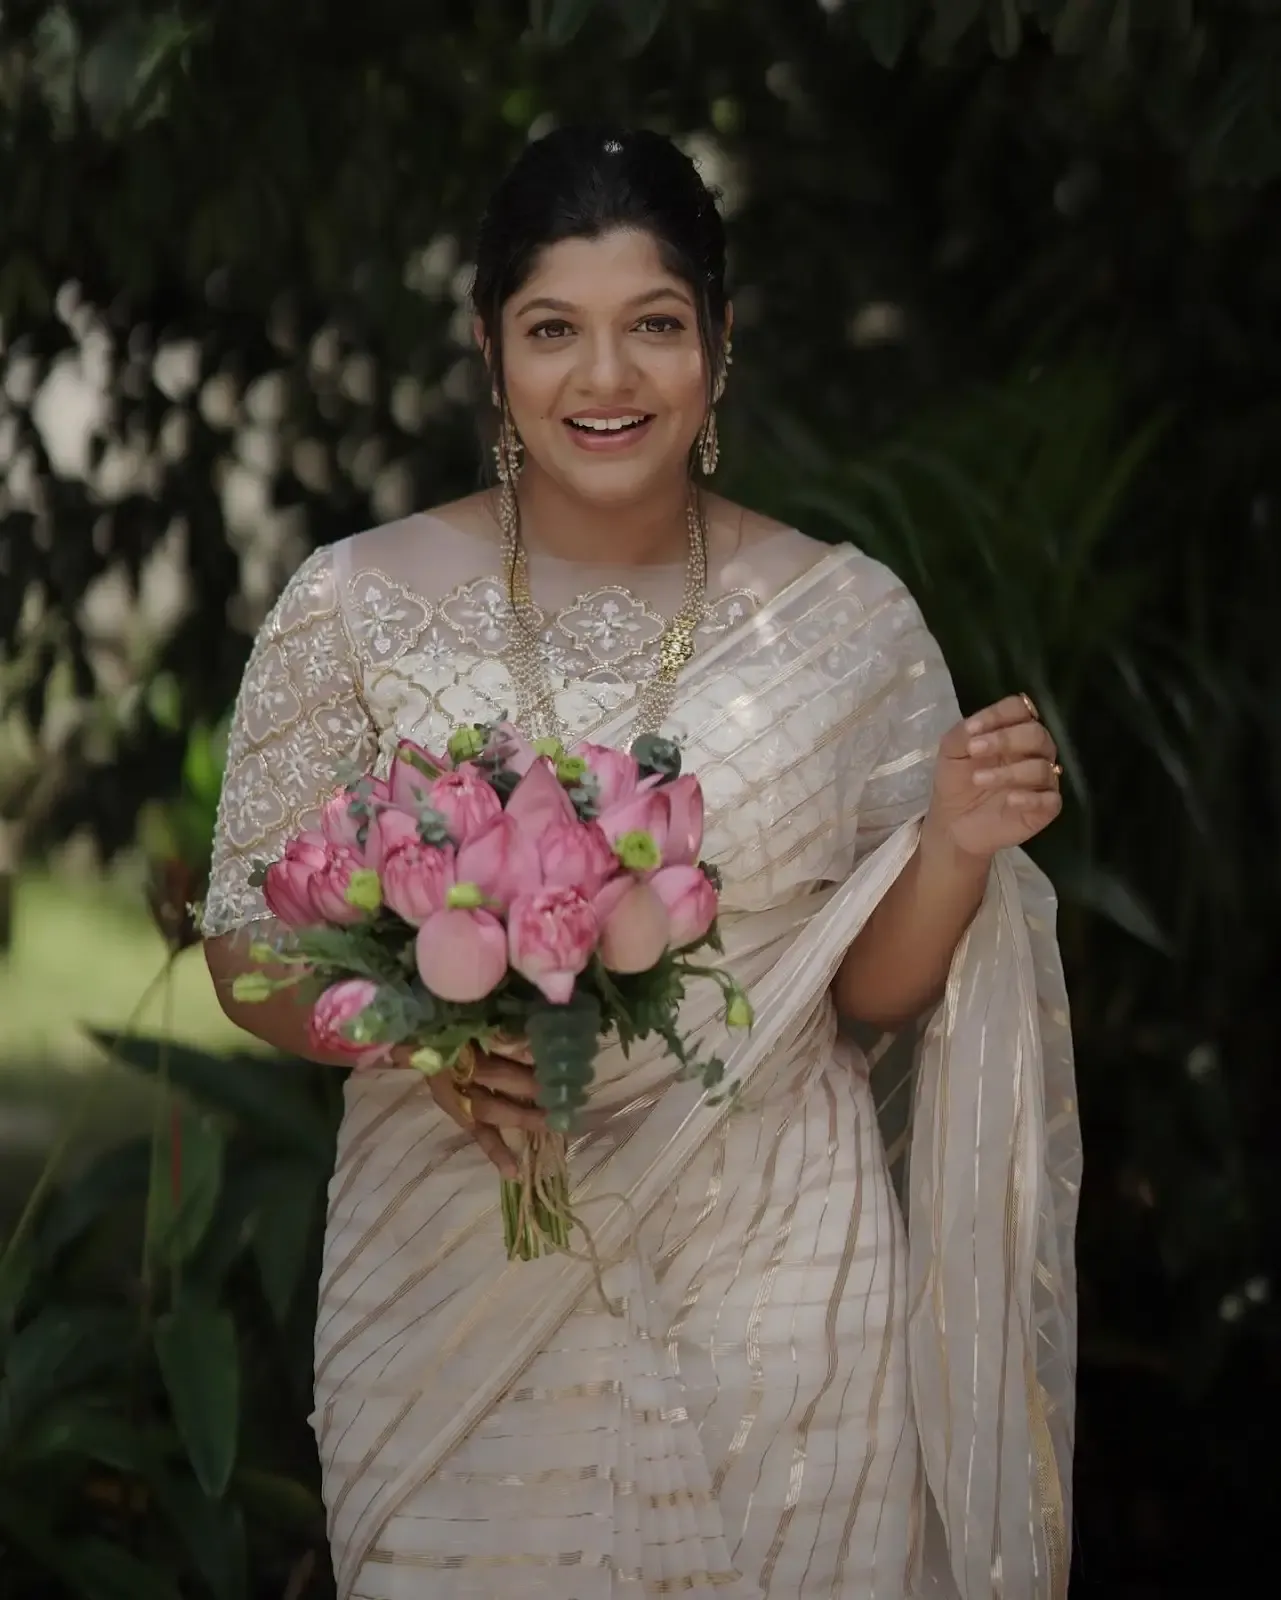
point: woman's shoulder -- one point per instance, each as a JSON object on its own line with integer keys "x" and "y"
{"x": 766, "y": 554}
{"x": 469, "y": 518}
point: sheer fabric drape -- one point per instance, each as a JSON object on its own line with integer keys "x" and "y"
{"x": 795, "y": 1395}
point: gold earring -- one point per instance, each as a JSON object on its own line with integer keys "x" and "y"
{"x": 509, "y": 452}
{"x": 709, "y": 446}
{"x": 727, "y": 361}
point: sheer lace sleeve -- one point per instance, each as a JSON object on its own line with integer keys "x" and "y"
{"x": 299, "y": 720}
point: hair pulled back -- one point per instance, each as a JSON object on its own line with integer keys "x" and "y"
{"x": 583, "y": 182}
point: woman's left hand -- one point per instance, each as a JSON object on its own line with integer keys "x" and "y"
{"x": 996, "y": 784}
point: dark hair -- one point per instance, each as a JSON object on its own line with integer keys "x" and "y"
{"x": 582, "y": 182}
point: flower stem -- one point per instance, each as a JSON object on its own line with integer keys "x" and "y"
{"x": 536, "y": 1212}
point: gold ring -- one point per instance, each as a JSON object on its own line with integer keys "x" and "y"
{"x": 1031, "y": 706}
{"x": 464, "y": 1105}
{"x": 1057, "y": 770}
{"x": 464, "y": 1066}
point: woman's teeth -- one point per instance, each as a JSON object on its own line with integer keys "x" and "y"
{"x": 605, "y": 424}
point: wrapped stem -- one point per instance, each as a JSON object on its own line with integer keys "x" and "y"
{"x": 537, "y": 1218}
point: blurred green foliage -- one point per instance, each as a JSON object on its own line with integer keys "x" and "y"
{"x": 1007, "y": 278}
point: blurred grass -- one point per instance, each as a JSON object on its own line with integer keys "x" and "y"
{"x": 85, "y": 952}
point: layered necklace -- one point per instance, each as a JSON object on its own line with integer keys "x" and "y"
{"x": 535, "y": 692}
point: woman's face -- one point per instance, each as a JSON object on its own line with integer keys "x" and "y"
{"x": 603, "y": 367}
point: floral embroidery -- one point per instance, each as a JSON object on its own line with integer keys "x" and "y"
{"x": 334, "y": 680}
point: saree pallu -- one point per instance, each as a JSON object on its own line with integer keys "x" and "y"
{"x": 775, "y": 1389}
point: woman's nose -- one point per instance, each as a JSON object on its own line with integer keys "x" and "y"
{"x": 606, "y": 368}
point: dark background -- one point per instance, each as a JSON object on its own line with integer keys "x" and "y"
{"x": 1008, "y": 290}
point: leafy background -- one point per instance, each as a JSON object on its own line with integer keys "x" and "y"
{"x": 1008, "y": 289}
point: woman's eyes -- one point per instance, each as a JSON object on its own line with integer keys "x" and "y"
{"x": 655, "y": 324}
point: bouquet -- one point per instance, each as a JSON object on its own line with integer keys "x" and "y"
{"x": 505, "y": 890}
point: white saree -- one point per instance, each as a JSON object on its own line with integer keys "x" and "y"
{"x": 790, "y": 1394}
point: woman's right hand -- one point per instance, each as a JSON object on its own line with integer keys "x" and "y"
{"x": 501, "y": 1094}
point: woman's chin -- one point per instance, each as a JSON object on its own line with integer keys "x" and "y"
{"x": 622, "y": 482}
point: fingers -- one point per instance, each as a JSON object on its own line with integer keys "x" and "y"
{"x": 1007, "y": 713}
{"x": 1043, "y": 805}
{"x": 1018, "y": 742}
{"x": 491, "y": 1142}
{"x": 511, "y": 1050}
{"x": 1029, "y": 777}
{"x": 504, "y": 1077}
{"x": 483, "y": 1114}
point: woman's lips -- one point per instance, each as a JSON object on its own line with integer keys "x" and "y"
{"x": 608, "y": 440}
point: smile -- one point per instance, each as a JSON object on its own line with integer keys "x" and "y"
{"x": 619, "y": 432}
{"x": 609, "y": 424}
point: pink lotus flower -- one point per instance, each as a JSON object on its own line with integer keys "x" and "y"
{"x": 576, "y": 855}
{"x": 646, "y": 812}
{"x": 340, "y": 1006}
{"x": 328, "y": 889}
{"x": 417, "y": 878}
{"x": 539, "y": 800}
{"x": 408, "y": 783}
{"x": 390, "y": 829}
{"x": 287, "y": 886}
{"x": 690, "y": 902}
{"x": 515, "y": 749}
{"x": 502, "y": 861}
{"x": 685, "y": 826}
{"x": 551, "y": 936}
{"x": 466, "y": 802}
{"x": 616, "y": 773}
{"x": 338, "y": 825}
{"x": 462, "y": 954}
{"x": 634, "y": 928}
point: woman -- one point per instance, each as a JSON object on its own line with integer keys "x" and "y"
{"x": 785, "y": 1395}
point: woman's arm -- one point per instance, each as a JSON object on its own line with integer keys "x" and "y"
{"x": 898, "y": 965}
{"x": 500, "y": 1094}
{"x": 995, "y": 785}
{"x": 280, "y": 1021}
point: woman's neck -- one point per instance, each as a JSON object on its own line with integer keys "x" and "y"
{"x": 644, "y": 533}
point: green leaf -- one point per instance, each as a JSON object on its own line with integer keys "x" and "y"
{"x": 17, "y": 1265}
{"x": 641, "y": 20}
{"x": 106, "y": 1187}
{"x": 283, "y": 1219}
{"x": 1103, "y": 892}
{"x": 1005, "y": 28}
{"x": 214, "y": 1533}
{"x": 560, "y": 21}
{"x": 106, "y": 1571}
{"x": 186, "y": 1180}
{"x": 88, "y": 1430}
{"x": 203, "y": 765}
{"x": 884, "y": 25}
{"x": 200, "y": 1364}
{"x": 278, "y": 1499}
{"x": 256, "y": 1090}
{"x": 1075, "y": 25}
{"x": 58, "y": 1350}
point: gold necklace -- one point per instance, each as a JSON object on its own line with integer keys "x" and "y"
{"x": 535, "y": 694}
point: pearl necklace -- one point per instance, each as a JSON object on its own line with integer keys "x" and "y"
{"x": 535, "y": 694}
